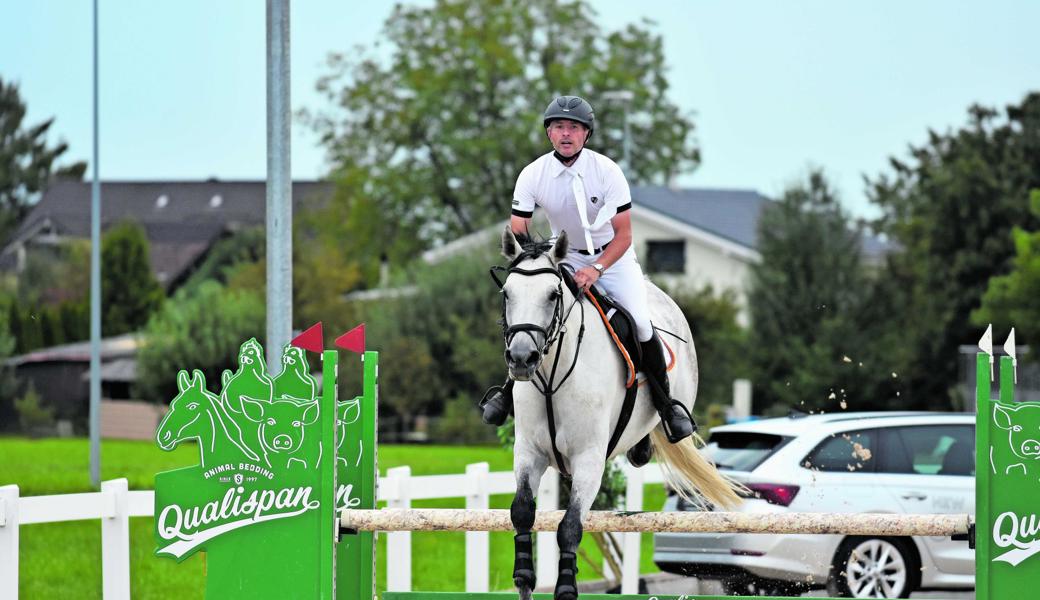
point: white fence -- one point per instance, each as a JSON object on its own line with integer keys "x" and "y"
{"x": 114, "y": 505}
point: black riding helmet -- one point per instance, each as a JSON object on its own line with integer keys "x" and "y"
{"x": 573, "y": 108}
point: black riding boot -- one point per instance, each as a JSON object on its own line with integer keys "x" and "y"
{"x": 676, "y": 419}
{"x": 497, "y": 403}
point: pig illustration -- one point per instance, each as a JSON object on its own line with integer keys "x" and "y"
{"x": 1022, "y": 422}
{"x": 284, "y": 430}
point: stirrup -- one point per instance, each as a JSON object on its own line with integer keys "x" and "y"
{"x": 495, "y": 419}
{"x": 676, "y": 437}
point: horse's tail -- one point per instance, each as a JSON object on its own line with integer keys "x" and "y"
{"x": 692, "y": 475}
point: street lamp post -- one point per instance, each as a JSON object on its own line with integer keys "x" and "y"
{"x": 624, "y": 97}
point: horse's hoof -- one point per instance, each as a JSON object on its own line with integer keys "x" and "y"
{"x": 565, "y": 592}
{"x": 522, "y": 578}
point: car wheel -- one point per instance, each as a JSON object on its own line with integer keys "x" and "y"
{"x": 872, "y": 567}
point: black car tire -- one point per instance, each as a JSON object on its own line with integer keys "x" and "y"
{"x": 863, "y": 562}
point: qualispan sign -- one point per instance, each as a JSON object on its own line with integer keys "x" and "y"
{"x": 263, "y": 489}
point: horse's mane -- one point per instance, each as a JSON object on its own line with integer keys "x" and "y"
{"x": 531, "y": 247}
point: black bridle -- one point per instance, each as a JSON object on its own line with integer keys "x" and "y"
{"x": 555, "y": 332}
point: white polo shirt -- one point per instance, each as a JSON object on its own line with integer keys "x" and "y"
{"x": 580, "y": 199}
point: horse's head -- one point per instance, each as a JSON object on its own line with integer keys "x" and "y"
{"x": 532, "y": 302}
{"x": 185, "y": 419}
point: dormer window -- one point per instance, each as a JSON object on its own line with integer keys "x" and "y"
{"x": 162, "y": 201}
{"x": 216, "y": 201}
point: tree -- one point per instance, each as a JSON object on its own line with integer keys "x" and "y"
{"x": 449, "y": 327}
{"x": 951, "y": 208}
{"x": 807, "y": 300}
{"x": 26, "y": 160}
{"x": 129, "y": 291}
{"x": 201, "y": 330}
{"x": 720, "y": 342}
{"x": 427, "y": 143}
{"x": 1013, "y": 300}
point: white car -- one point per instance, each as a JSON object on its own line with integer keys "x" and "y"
{"x": 869, "y": 462}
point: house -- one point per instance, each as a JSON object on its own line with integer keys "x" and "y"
{"x": 685, "y": 238}
{"x": 182, "y": 219}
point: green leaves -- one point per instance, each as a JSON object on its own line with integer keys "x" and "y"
{"x": 26, "y": 160}
{"x": 951, "y": 207}
{"x": 428, "y": 139}
{"x": 129, "y": 291}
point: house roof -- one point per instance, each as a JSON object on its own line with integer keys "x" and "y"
{"x": 730, "y": 214}
{"x": 113, "y": 348}
{"x": 182, "y": 219}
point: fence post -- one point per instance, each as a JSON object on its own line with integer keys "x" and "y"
{"x": 630, "y": 541}
{"x": 115, "y": 541}
{"x": 399, "y": 543}
{"x": 477, "y": 550}
{"x": 9, "y": 541}
{"x": 548, "y": 551}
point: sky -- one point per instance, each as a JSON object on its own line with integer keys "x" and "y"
{"x": 774, "y": 88}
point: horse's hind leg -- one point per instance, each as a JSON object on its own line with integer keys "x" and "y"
{"x": 529, "y": 470}
{"x": 588, "y": 473}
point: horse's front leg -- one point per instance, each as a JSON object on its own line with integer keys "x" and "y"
{"x": 588, "y": 473}
{"x": 528, "y": 466}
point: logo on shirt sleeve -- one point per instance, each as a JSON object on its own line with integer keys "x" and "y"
{"x": 595, "y": 199}
{"x": 516, "y": 202}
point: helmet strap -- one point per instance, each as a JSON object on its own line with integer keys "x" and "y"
{"x": 567, "y": 161}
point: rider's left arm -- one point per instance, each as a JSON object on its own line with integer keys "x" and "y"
{"x": 622, "y": 223}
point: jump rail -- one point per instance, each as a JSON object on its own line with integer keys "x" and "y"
{"x": 444, "y": 519}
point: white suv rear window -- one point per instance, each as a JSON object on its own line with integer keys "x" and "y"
{"x": 742, "y": 450}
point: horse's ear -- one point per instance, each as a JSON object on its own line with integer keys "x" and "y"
{"x": 510, "y": 247}
{"x": 198, "y": 379}
{"x": 559, "y": 251}
{"x": 182, "y": 381}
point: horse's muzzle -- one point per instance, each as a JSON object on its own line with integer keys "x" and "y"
{"x": 523, "y": 360}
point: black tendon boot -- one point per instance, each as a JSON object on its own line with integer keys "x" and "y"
{"x": 497, "y": 403}
{"x": 674, "y": 416}
{"x": 567, "y": 579}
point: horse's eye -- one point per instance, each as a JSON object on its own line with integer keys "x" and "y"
{"x": 193, "y": 406}
{"x": 554, "y": 295}
{"x": 270, "y": 421}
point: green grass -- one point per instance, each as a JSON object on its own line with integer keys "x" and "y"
{"x": 64, "y": 559}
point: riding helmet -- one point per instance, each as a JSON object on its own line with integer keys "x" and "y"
{"x": 573, "y": 108}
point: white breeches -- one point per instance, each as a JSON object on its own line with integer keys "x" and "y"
{"x": 624, "y": 282}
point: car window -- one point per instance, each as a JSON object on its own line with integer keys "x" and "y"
{"x": 929, "y": 450}
{"x": 852, "y": 451}
{"x": 741, "y": 450}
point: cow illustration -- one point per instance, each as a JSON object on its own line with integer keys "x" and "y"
{"x": 283, "y": 430}
{"x": 1022, "y": 422}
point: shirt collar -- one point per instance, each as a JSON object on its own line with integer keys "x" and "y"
{"x": 578, "y": 167}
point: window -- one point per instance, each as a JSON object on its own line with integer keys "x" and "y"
{"x": 929, "y": 450}
{"x": 850, "y": 452}
{"x": 666, "y": 256}
{"x": 742, "y": 451}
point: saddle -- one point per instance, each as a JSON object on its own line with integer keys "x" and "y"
{"x": 621, "y": 326}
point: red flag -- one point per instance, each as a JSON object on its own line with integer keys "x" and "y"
{"x": 311, "y": 339}
{"x": 353, "y": 340}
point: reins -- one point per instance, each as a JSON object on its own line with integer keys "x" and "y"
{"x": 555, "y": 333}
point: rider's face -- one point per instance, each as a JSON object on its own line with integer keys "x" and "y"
{"x": 567, "y": 137}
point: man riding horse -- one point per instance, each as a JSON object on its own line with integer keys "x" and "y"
{"x": 586, "y": 195}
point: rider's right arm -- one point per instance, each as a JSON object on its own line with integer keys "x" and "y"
{"x": 524, "y": 198}
{"x": 520, "y": 225}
